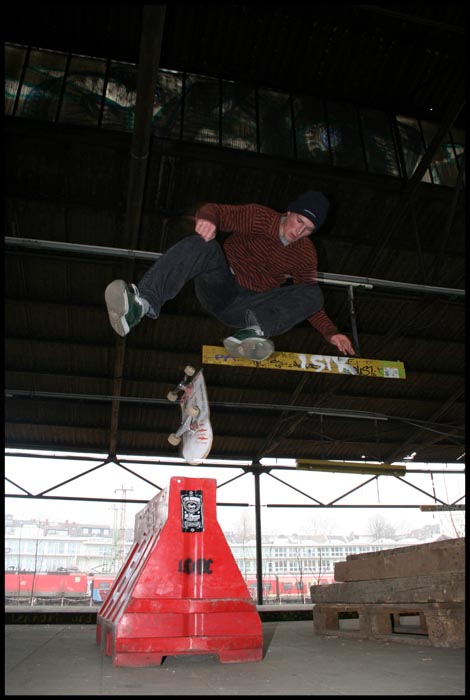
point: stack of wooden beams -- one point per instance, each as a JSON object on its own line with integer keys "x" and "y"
{"x": 409, "y": 594}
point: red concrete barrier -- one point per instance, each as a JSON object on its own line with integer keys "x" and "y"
{"x": 180, "y": 590}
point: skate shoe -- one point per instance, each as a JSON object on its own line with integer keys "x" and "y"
{"x": 125, "y": 307}
{"x": 249, "y": 343}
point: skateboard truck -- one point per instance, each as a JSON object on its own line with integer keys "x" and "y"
{"x": 193, "y": 411}
{"x": 188, "y": 373}
{"x": 175, "y": 438}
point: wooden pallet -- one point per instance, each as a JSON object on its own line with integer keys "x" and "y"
{"x": 303, "y": 362}
{"x": 440, "y": 624}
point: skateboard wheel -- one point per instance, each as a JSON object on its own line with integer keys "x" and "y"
{"x": 173, "y": 439}
{"x": 189, "y": 371}
{"x": 172, "y": 396}
{"x": 193, "y": 411}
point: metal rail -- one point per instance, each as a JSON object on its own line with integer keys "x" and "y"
{"x": 311, "y": 410}
{"x": 323, "y": 277}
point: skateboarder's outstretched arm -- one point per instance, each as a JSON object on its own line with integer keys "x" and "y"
{"x": 343, "y": 344}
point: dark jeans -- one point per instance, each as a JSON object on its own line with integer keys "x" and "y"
{"x": 275, "y": 311}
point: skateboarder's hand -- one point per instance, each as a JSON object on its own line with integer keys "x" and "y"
{"x": 343, "y": 344}
{"x": 206, "y": 229}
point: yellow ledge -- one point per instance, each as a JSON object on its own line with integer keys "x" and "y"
{"x": 303, "y": 362}
{"x": 323, "y": 465}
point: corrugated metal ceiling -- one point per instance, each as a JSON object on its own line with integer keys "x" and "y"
{"x": 70, "y": 185}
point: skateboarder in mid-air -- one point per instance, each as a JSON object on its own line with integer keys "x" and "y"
{"x": 243, "y": 283}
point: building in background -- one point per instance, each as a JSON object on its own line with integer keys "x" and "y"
{"x": 71, "y": 562}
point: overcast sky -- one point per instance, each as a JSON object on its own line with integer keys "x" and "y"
{"x": 37, "y": 475}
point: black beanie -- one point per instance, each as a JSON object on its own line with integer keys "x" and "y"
{"x": 313, "y": 205}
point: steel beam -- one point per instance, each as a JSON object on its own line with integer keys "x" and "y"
{"x": 327, "y": 278}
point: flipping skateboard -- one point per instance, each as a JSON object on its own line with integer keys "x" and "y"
{"x": 194, "y": 436}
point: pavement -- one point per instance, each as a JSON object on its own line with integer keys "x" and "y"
{"x": 64, "y": 659}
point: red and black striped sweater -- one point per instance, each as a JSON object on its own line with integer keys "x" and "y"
{"x": 257, "y": 256}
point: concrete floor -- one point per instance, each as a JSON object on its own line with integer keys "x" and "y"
{"x": 60, "y": 659}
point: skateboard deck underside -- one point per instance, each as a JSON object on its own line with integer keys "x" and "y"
{"x": 197, "y": 440}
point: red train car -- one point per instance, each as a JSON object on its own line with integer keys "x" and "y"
{"x": 46, "y": 585}
{"x": 100, "y": 585}
{"x": 277, "y": 588}
{"x": 287, "y": 588}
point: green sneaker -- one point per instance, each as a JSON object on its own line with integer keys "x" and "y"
{"x": 249, "y": 343}
{"x": 125, "y": 307}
